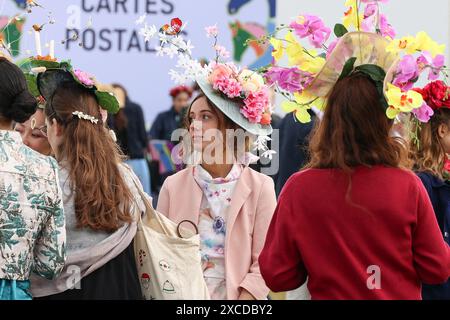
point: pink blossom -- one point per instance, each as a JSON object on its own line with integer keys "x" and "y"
{"x": 219, "y": 70}
{"x": 374, "y": 1}
{"x": 424, "y": 113}
{"x": 254, "y": 105}
{"x": 222, "y": 51}
{"x": 407, "y": 73}
{"x": 289, "y": 79}
{"x": 386, "y": 28}
{"x": 228, "y": 86}
{"x": 313, "y": 28}
{"x": 84, "y": 78}
{"x": 435, "y": 65}
{"x": 212, "y": 31}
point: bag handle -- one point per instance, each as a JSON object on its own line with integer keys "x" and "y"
{"x": 149, "y": 210}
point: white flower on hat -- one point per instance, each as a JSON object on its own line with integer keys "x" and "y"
{"x": 250, "y": 80}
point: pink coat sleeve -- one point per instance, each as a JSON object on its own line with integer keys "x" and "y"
{"x": 253, "y": 282}
{"x": 280, "y": 261}
{"x": 164, "y": 199}
{"x": 431, "y": 252}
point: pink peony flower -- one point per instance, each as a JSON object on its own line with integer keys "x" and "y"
{"x": 84, "y": 78}
{"x": 255, "y": 105}
{"x": 313, "y": 28}
{"x": 407, "y": 73}
{"x": 229, "y": 86}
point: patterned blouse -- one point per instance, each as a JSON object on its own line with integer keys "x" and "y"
{"x": 32, "y": 225}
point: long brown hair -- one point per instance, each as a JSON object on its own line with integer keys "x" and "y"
{"x": 429, "y": 154}
{"x": 102, "y": 199}
{"x": 355, "y": 130}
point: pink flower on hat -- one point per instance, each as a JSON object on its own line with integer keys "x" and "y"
{"x": 84, "y": 78}
{"x": 313, "y": 28}
{"x": 255, "y": 105}
{"x": 407, "y": 73}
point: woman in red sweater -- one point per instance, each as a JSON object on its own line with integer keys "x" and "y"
{"x": 357, "y": 223}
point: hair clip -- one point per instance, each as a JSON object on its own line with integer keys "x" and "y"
{"x": 84, "y": 116}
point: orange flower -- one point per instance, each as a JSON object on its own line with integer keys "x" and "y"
{"x": 45, "y": 58}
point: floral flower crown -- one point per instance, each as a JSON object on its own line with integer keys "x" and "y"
{"x": 45, "y": 74}
{"x": 308, "y": 67}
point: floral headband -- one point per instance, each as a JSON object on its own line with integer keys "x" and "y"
{"x": 395, "y": 65}
{"x": 44, "y": 75}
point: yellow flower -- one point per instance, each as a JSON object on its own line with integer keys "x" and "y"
{"x": 312, "y": 63}
{"x": 301, "y": 112}
{"x": 351, "y": 15}
{"x": 301, "y": 104}
{"x": 401, "y": 101}
{"x": 423, "y": 42}
{"x": 278, "y": 49}
{"x": 407, "y": 44}
{"x": 294, "y": 50}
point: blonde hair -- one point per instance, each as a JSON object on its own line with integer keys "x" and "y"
{"x": 426, "y": 150}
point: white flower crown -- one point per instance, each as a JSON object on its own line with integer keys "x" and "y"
{"x": 84, "y": 116}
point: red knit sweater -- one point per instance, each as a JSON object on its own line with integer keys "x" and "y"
{"x": 337, "y": 237}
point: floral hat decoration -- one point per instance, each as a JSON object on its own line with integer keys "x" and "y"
{"x": 394, "y": 65}
{"x": 241, "y": 94}
{"x": 44, "y": 76}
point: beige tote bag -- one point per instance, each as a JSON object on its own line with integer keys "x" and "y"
{"x": 168, "y": 258}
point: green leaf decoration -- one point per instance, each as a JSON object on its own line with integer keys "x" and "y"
{"x": 323, "y": 55}
{"x": 107, "y": 101}
{"x": 375, "y": 72}
{"x": 348, "y": 68}
{"x": 340, "y": 30}
{"x": 32, "y": 84}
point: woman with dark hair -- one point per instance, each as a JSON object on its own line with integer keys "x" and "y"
{"x": 356, "y": 222}
{"x": 167, "y": 122}
{"x": 101, "y": 199}
{"x": 129, "y": 126}
{"x": 32, "y": 231}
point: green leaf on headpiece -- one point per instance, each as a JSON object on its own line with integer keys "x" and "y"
{"x": 375, "y": 72}
{"x": 348, "y": 68}
{"x": 107, "y": 101}
{"x": 323, "y": 55}
{"x": 340, "y": 30}
{"x": 32, "y": 84}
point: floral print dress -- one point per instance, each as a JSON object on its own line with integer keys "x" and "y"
{"x": 212, "y": 226}
{"x": 32, "y": 224}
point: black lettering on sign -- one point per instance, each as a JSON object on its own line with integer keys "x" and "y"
{"x": 150, "y": 3}
{"x": 70, "y": 37}
{"x": 136, "y": 6}
{"x": 89, "y": 45}
{"x": 85, "y": 8}
{"x": 170, "y": 7}
{"x": 120, "y": 33}
{"x": 148, "y": 48}
{"x": 103, "y": 4}
{"x": 121, "y": 3}
{"x": 134, "y": 42}
{"x": 105, "y": 40}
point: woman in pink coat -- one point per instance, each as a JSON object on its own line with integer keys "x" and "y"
{"x": 230, "y": 204}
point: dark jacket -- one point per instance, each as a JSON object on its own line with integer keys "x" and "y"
{"x": 439, "y": 192}
{"x": 165, "y": 123}
{"x": 132, "y": 139}
{"x": 293, "y": 144}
